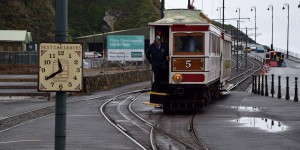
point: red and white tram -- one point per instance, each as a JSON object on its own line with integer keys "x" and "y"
{"x": 199, "y": 60}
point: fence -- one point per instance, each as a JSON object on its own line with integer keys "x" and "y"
{"x": 27, "y": 62}
{"x": 105, "y": 66}
{"x": 29, "y": 58}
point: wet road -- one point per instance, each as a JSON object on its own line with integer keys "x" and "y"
{"x": 86, "y": 127}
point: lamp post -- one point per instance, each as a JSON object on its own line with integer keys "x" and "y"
{"x": 288, "y": 26}
{"x": 254, "y": 8}
{"x": 299, "y": 5}
{"x": 237, "y": 50}
{"x": 271, "y": 6}
{"x": 238, "y": 30}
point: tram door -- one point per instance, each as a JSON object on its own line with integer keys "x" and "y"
{"x": 162, "y": 32}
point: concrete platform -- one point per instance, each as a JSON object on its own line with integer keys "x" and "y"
{"x": 244, "y": 121}
{"x": 248, "y": 121}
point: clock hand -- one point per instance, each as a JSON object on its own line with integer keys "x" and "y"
{"x": 59, "y": 65}
{"x": 57, "y": 72}
{"x": 53, "y": 74}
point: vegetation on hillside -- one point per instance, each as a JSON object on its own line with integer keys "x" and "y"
{"x": 231, "y": 30}
{"x": 85, "y": 16}
{"x": 36, "y": 16}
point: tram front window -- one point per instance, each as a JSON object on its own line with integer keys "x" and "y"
{"x": 189, "y": 43}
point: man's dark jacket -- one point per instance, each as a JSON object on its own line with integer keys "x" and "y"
{"x": 157, "y": 56}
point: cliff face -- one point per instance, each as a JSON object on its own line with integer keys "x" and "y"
{"x": 110, "y": 18}
{"x": 104, "y": 16}
{"x": 85, "y": 16}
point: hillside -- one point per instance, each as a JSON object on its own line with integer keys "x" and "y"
{"x": 36, "y": 16}
{"x": 85, "y": 16}
{"x": 230, "y": 28}
{"x": 103, "y": 15}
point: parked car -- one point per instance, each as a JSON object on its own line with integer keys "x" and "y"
{"x": 247, "y": 50}
{"x": 92, "y": 54}
{"x": 260, "y": 49}
{"x": 253, "y": 48}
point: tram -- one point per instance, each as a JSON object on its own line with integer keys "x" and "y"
{"x": 274, "y": 59}
{"x": 199, "y": 60}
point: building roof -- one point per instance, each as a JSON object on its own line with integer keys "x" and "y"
{"x": 15, "y": 35}
{"x": 182, "y": 16}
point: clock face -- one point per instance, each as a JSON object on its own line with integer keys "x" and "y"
{"x": 60, "y": 67}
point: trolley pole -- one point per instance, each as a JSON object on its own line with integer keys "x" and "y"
{"x": 162, "y": 7}
{"x": 61, "y": 21}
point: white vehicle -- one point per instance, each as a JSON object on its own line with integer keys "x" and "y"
{"x": 92, "y": 54}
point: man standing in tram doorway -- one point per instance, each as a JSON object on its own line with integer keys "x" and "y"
{"x": 157, "y": 55}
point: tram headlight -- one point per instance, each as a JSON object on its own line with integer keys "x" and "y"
{"x": 177, "y": 78}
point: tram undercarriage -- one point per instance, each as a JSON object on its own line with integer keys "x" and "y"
{"x": 185, "y": 97}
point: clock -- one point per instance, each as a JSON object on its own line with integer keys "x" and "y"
{"x": 60, "y": 67}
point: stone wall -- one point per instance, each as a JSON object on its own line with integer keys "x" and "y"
{"x": 111, "y": 80}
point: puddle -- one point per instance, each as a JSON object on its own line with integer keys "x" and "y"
{"x": 245, "y": 108}
{"x": 262, "y": 123}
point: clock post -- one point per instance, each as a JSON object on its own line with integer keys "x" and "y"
{"x": 60, "y": 71}
{"x": 61, "y": 25}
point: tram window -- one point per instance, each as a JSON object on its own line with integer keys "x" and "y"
{"x": 189, "y": 43}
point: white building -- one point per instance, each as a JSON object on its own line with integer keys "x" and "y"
{"x": 14, "y": 40}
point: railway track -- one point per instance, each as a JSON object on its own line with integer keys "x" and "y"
{"x": 10, "y": 122}
{"x": 239, "y": 78}
{"x": 160, "y": 133}
{"x": 153, "y": 133}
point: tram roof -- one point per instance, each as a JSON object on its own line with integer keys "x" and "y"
{"x": 183, "y": 16}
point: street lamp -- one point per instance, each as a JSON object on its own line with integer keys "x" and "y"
{"x": 254, "y": 8}
{"x": 288, "y": 26}
{"x": 299, "y": 5}
{"x": 271, "y": 6}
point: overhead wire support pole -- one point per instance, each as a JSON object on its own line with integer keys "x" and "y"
{"x": 246, "y": 62}
{"x": 238, "y": 27}
{"x": 246, "y": 55}
{"x": 237, "y": 52}
{"x": 223, "y": 15}
{"x": 254, "y": 8}
{"x": 61, "y": 35}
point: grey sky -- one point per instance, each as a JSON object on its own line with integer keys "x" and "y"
{"x": 264, "y": 19}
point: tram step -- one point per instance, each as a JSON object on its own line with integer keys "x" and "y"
{"x": 158, "y": 93}
{"x": 227, "y": 87}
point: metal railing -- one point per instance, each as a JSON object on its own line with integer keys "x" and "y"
{"x": 28, "y": 58}
{"x": 105, "y": 66}
{"x": 293, "y": 54}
